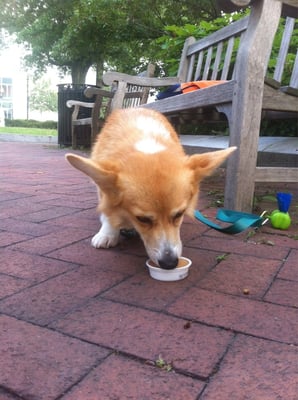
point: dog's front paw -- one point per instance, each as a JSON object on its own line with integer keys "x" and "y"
{"x": 103, "y": 240}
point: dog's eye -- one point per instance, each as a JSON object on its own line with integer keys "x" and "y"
{"x": 144, "y": 220}
{"x": 178, "y": 215}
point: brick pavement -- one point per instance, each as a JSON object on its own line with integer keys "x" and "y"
{"x": 78, "y": 323}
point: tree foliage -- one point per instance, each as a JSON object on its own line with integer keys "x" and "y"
{"x": 42, "y": 97}
{"x": 76, "y": 34}
{"x": 169, "y": 45}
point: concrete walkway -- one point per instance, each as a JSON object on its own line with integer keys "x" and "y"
{"x": 15, "y": 137}
{"x": 78, "y": 323}
{"x": 271, "y": 144}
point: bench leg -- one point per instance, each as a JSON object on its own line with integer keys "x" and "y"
{"x": 241, "y": 165}
{"x": 73, "y": 137}
{"x": 240, "y": 172}
{"x": 245, "y": 112}
{"x": 95, "y": 131}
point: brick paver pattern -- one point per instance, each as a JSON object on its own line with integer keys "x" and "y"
{"x": 78, "y": 323}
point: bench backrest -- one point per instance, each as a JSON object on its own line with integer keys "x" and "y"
{"x": 137, "y": 95}
{"x": 214, "y": 57}
{"x": 210, "y": 57}
{"x": 281, "y": 64}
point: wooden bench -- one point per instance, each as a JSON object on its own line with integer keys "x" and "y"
{"x": 100, "y": 108}
{"x": 104, "y": 103}
{"x": 245, "y": 96}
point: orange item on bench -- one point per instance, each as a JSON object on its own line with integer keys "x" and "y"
{"x": 195, "y": 85}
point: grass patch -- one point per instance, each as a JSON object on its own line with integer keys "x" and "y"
{"x": 28, "y": 131}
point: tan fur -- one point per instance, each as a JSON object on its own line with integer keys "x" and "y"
{"x": 149, "y": 189}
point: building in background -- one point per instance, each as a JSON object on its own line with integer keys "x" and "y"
{"x": 6, "y": 105}
{"x": 16, "y": 84}
{"x": 13, "y": 84}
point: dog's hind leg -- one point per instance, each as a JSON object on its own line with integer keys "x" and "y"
{"x": 107, "y": 236}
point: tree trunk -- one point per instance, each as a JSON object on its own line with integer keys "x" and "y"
{"x": 99, "y": 72}
{"x": 79, "y": 72}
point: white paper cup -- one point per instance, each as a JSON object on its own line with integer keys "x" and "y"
{"x": 176, "y": 274}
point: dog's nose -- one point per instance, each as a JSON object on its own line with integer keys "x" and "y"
{"x": 168, "y": 261}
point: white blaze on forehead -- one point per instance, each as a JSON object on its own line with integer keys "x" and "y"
{"x": 149, "y": 146}
{"x": 152, "y": 129}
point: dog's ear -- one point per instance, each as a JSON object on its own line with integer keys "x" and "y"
{"x": 204, "y": 164}
{"x": 104, "y": 174}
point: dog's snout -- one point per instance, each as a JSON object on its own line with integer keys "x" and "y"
{"x": 169, "y": 260}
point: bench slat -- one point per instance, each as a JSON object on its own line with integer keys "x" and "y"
{"x": 225, "y": 33}
{"x": 278, "y": 100}
{"x": 228, "y": 57}
{"x": 207, "y": 63}
{"x": 211, "y": 96}
{"x": 190, "y": 68}
{"x": 217, "y": 60}
{"x": 276, "y": 174}
{"x": 284, "y": 48}
{"x": 294, "y": 77}
{"x": 199, "y": 65}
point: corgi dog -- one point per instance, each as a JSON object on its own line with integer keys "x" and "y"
{"x": 145, "y": 181}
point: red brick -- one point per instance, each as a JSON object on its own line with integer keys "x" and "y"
{"x": 37, "y": 363}
{"x": 240, "y": 314}
{"x": 255, "y": 369}
{"x": 148, "y": 334}
{"x": 81, "y": 201}
{"x": 290, "y": 268}
{"x": 144, "y": 291}
{"x": 47, "y": 218}
{"x": 77, "y": 220}
{"x": 237, "y": 272}
{"x": 131, "y": 246}
{"x": 90, "y": 215}
{"x": 283, "y": 292}
{"x": 229, "y": 244}
{"x": 31, "y": 267}
{"x": 41, "y": 197}
{"x": 20, "y": 207}
{"x": 79, "y": 187}
{"x": 263, "y": 236}
{"x": 9, "y": 196}
{"x": 49, "y": 213}
{"x": 120, "y": 378}
{"x": 191, "y": 229}
{"x": 281, "y": 240}
{"x": 55, "y": 240}
{"x": 10, "y": 285}
{"x": 26, "y": 227}
{"x": 293, "y": 229}
{"x": 54, "y": 298}
{"x": 9, "y": 238}
{"x": 112, "y": 259}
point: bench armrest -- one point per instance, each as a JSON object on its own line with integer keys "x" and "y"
{"x": 98, "y": 92}
{"x": 77, "y": 103}
{"x": 96, "y": 106}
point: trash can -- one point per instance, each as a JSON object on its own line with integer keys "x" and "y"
{"x": 72, "y": 92}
